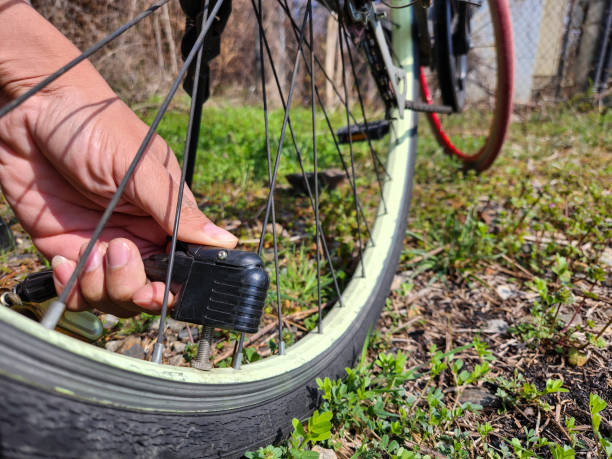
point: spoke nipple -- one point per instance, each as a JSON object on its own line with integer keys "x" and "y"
{"x": 158, "y": 350}
{"x": 53, "y": 314}
{"x": 202, "y": 360}
{"x": 237, "y": 361}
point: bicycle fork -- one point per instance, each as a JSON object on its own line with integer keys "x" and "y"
{"x": 394, "y": 75}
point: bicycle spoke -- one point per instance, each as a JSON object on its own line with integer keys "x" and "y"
{"x": 327, "y": 77}
{"x": 281, "y": 343}
{"x": 284, "y": 127}
{"x": 375, "y": 158}
{"x": 350, "y": 136}
{"x": 191, "y": 139}
{"x": 57, "y": 307}
{"x": 236, "y": 360}
{"x": 337, "y": 145}
{"x": 316, "y": 171}
{"x": 298, "y": 154}
{"x": 54, "y": 76}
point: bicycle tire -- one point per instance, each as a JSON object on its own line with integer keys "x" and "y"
{"x": 70, "y": 399}
{"x": 480, "y": 157}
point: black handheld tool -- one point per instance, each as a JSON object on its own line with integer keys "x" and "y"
{"x": 215, "y": 287}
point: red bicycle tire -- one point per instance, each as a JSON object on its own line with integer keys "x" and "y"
{"x": 486, "y": 155}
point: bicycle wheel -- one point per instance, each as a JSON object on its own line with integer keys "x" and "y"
{"x": 69, "y": 398}
{"x": 473, "y": 72}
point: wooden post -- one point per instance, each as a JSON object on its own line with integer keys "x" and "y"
{"x": 331, "y": 51}
{"x": 165, "y": 18}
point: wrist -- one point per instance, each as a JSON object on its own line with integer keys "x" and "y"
{"x": 31, "y": 49}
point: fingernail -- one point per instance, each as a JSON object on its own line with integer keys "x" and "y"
{"x": 118, "y": 254}
{"x": 94, "y": 261}
{"x": 61, "y": 267}
{"x": 218, "y": 233}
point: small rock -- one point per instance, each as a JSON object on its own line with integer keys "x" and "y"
{"x": 529, "y": 411}
{"x": 109, "y": 321}
{"x": 567, "y": 313}
{"x": 577, "y": 358}
{"x": 495, "y": 326}
{"x": 606, "y": 256}
{"x": 133, "y": 348}
{"x": 183, "y": 335}
{"x": 178, "y": 346}
{"x": 176, "y": 360}
{"x": 328, "y": 178}
{"x": 478, "y": 396}
{"x": 171, "y": 324}
{"x": 531, "y": 165}
{"x": 113, "y": 345}
{"x": 324, "y": 453}
{"x": 504, "y": 292}
{"x": 399, "y": 279}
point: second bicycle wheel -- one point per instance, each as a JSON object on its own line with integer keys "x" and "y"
{"x": 68, "y": 398}
{"x": 473, "y": 72}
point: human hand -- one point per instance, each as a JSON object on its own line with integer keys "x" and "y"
{"x": 62, "y": 155}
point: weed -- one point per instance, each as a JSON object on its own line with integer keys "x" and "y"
{"x": 137, "y": 324}
{"x": 596, "y": 406}
{"x": 190, "y": 352}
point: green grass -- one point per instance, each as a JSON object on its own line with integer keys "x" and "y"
{"x": 232, "y": 143}
{"x": 543, "y": 211}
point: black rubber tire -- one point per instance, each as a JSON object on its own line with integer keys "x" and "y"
{"x": 444, "y": 54}
{"x": 481, "y": 158}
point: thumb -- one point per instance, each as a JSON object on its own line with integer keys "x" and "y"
{"x": 155, "y": 190}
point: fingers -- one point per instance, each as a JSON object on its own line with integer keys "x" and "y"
{"x": 151, "y": 296}
{"x": 92, "y": 280}
{"x": 124, "y": 271}
{"x": 62, "y": 270}
{"x": 155, "y": 190}
{"x": 113, "y": 280}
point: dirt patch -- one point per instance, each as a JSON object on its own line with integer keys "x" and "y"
{"x": 450, "y": 314}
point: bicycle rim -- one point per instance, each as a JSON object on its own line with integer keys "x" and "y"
{"x": 77, "y": 400}
{"x": 475, "y": 135}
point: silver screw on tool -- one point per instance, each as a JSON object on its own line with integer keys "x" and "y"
{"x": 222, "y": 255}
{"x": 202, "y": 360}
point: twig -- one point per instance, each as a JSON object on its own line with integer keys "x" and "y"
{"x": 189, "y": 334}
{"x": 517, "y": 265}
{"x": 423, "y": 448}
{"x": 511, "y": 273}
{"x": 584, "y": 294}
{"x": 294, "y": 324}
{"x": 601, "y": 332}
{"x": 425, "y": 256}
{"x": 561, "y": 428}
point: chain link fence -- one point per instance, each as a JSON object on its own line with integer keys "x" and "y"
{"x": 562, "y": 49}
